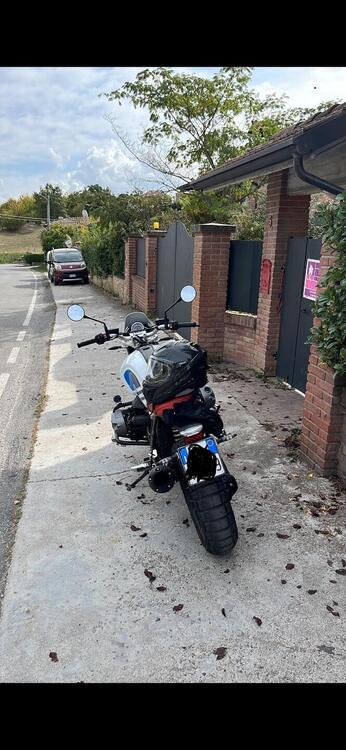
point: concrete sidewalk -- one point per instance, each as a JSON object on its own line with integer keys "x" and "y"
{"x": 78, "y": 606}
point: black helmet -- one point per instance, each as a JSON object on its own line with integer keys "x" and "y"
{"x": 174, "y": 367}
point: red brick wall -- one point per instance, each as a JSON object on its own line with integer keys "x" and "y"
{"x": 210, "y": 274}
{"x": 240, "y": 332}
{"x": 150, "y": 273}
{"x": 324, "y": 414}
{"x": 130, "y": 267}
{"x": 342, "y": 451}
{"x": 138, "y": 292}
{"x": 287, "y": 216}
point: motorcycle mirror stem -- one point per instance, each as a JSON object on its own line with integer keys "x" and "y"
{"x": 98, "y": 321}
{"x": 187, "y": 294}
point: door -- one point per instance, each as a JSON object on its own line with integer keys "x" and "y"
{"x": 174, "y": 271}
{"x": 301, "y": 277}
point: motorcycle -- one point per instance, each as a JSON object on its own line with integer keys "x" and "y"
{"x": 173, "y": 411}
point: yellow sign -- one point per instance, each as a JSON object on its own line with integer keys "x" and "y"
{"x": 156, "y": 225}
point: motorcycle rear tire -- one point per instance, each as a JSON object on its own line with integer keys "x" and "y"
{"x": 211, "y": 511}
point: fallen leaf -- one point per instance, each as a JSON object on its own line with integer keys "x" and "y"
{"x": 298, "y": 587}
{"x": 223, "y": 612}
{"x": 282, "y": 536}
{"x": 283, "y": 580}
{"x": 261, "y": 534}
{"x": 140, "y": 497}
{"x": 226, "y": 571}
{"x": 327, "y": 649}
{"x": 149, "y": 575}
{"x": 258, "y": 620}
{"x": 143, "y": 535}
{"x": 220, "y": 652}
{"x": 343, "y": 563}
{"x": 312, "y": 591}
{"x": 296, "y": 526}
{"x": 135, "y": 528}
{"x": 161, "y": 588}
{"x": 336, "y": 603}
{"x": 118, "y": 482}
{"x": 341, "y": 571}
{"x": 330, "y": 609}
{"x": 186, "y": 522}
{"x": 53, "y": 656}
{"x": 251, "y": 528}
{"x": 289, "y": 566}
{"x": 331, "y": 581}
{"x": 177, "y": 607}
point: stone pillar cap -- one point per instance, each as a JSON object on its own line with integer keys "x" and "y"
{"x": 214, "y": 228}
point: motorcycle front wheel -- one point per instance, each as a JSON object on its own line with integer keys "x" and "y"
{"x": 210, "y": 507}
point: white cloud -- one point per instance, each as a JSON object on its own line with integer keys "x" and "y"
{"x": 53, "y": 126}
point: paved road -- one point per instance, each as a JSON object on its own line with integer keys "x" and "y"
{"x": 26, "y": 315}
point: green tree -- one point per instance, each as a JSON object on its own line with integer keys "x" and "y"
{"x": 201, "y": 123}
{"x": 57, "y": 201}
{"x": 90, "y": 199}
{"x": 57, "y": 235}
{"x": 8, "y": 213}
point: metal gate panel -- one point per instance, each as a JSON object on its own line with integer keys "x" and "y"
{"x": 294, "y": 273}
{"x": 296, "y": 315}
{"x": 174, "y": 270}
{"x": 301, "y": 359}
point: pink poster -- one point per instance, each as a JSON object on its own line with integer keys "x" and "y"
{"x": 312, "y": 275}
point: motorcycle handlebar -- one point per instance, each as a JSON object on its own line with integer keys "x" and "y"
{"x": 86, "y": 343}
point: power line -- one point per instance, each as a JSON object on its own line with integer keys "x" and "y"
{"x": 31, "y": 218}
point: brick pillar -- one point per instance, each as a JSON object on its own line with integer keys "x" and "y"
{"x": 130, "y": 267}
{"x": 210, "y": 277}
{"x": 151, "y": 239}
{"x": 324, "y": 412}
{"x": 286, "y": 216}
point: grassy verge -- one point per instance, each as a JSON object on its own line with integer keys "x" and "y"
{"x": 11, "y": 258}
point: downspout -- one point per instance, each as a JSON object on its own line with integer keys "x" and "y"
{"x": 311, "y": 178}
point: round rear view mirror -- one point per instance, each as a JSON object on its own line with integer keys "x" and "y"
{"x": 188, "y": 293}
{"x": 75, "y": 312}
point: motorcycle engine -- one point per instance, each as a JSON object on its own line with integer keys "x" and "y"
{"x": 130, "y": 423}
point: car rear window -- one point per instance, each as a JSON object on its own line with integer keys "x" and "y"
{"x": 67, "y": 257}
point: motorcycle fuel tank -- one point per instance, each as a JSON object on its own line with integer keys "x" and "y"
{"x": 133, "y": 371}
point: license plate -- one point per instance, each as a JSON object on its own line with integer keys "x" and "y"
{"x": 208, "y": 443}
{"x": 72, "y": 275}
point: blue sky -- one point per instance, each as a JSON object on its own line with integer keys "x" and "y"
{"x": 53, "y": 125}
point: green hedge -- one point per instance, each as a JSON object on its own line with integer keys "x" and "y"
{"x": 31, "y": 258}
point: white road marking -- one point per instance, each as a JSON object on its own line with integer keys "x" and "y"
{"x": 21, "y": 335}
{"x": 13, "y": 356}
{"x": 32, "y": 304}
{"x": 3, "y": 380}
{"x": 31, "y": 309}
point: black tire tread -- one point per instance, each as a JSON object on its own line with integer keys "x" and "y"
{"x": 211, "y": 511}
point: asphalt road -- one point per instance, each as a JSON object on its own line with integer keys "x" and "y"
{"x": 27, "y": 311}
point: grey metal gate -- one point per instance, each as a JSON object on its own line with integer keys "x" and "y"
{"x": 296, "y": 315}
{"x": 174, "y": 270}
{"x": 244, "y": 275}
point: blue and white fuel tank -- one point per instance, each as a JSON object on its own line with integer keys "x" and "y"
{"x": 134, "y": 369}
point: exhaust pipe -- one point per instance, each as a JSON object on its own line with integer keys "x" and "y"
{"x": 161, "y": 478}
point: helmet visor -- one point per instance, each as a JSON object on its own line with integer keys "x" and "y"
{"x": 158, "y": 371}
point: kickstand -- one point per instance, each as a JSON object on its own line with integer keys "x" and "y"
{"x": 133, "y": 484}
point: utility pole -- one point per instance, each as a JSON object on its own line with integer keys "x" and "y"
{"x": 48, "y": 209}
